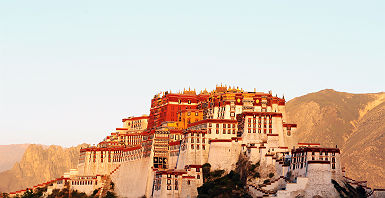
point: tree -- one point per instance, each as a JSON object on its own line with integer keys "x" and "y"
{"x": 206, "y": 171}
{"x": 110, "y": 195}
{"x": 112, "y": 185}
{"x": 5, "y": 195}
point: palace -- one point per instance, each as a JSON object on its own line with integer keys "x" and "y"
{"x": 162, "y": 154}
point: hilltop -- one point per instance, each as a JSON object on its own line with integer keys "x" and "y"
{"x": 354, "y": 122}
{"x": 39, "y": 164}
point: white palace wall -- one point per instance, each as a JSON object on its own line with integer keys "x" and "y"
{"x": 224, "y": 155}
{"x": 320, "y": 181}
{"x": 133, "y": 178}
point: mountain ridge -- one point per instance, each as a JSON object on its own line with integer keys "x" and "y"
{"x": 39, "y": 164}
{"x": 346, "y": 120}
{"x": 354, "y": 122}
{"x": 10, "y": 154}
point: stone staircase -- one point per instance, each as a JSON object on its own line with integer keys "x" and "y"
{"x": 106, "y": 180}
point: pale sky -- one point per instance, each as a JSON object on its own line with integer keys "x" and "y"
{"x": 70, "y": 70}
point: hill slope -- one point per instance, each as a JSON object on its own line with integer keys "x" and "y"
{"x": 39, "y": 164}
{"x": 10, "y": 154}
{"x": 354, "y": 122}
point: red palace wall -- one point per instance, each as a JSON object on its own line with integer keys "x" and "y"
{"x": 162, "y": 110}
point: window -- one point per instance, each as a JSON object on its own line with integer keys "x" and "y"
{"x": 196, "y": 113}
{"x": 198, "y": 176}
{"x": 333, "y": 166}
{"x": 189, "y": 101}
{"x": 168, "y": 187}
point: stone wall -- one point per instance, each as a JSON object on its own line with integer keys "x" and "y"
{"x": 224, "y": 155}
{"x": 134, "y": 178}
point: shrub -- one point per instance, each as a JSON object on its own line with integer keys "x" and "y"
{"x": 271, "y": 175}
{"x": 110, "y": 195}
{"x": 94, "y": 193}
{"x": 112, "y": 185}
{"x": 266, "y": 181}
{"x": 361, "y": 191}
{"x": 257, "y": 175}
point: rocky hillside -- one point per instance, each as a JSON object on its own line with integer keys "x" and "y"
{"x": 10, "y": 154}
{"x": 354, "y": 122}
{"x": 39, "y": 164}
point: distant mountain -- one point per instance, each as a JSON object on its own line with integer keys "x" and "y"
{"x": 39, "y": 164}
{"x": 354, "y": 122}
{"x": 10, "y": 154}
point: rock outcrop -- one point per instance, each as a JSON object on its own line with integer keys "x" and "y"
{"x": 39, "y": 164}
{"x": 10, "y": 154}
{"x": 354, "y": 122}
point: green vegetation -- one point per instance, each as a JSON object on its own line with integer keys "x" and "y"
{"x": 94, "y": 193}
{"x": 4, "y": 195}
{"x": 271, "y": 175}
{"x": 256, "y": 175}
{"x": 31, "y": 194}
{"x": 218, "y": 184}
{"x": 64, "y": 193}
{"x": 253, "y": 167}
{"x": 228, "y": 185}
{"x": 110, "y": 195}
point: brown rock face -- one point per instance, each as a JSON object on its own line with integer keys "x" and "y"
{"x": 354, "y": 122}
{"x": 10, "y": 154}
{"x": 39, "y": 164}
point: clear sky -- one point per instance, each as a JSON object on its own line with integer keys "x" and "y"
{"x": 70, "y": 70}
